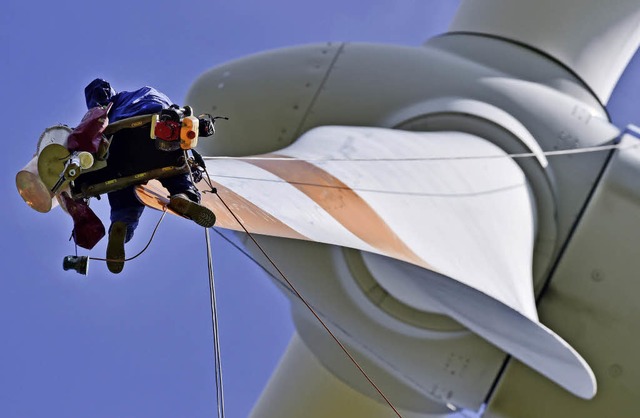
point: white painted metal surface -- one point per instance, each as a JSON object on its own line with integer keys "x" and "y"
{"x": 299, "y": 366}
{"x": 592, "y": 300}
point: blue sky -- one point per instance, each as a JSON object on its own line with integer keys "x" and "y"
{"x": 139, "y": 344}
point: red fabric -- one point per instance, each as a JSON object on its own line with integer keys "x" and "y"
{"x": 88, "y": 134}
{"x": 88, "y": 230}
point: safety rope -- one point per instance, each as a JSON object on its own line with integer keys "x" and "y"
{"x": 572, "y": 151}
{"x": 503, "y": 188}
{"x": 373, "y": 190}
{"x": 214, "y": 311}
{"x": 216, "y": 335}
{"x": 309, "y": 307}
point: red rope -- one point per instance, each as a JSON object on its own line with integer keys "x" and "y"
{"x": 344, "y": 349}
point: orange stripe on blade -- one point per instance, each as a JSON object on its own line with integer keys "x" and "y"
{"x": 255, "y": 219}
{"x": 342, "y": 203}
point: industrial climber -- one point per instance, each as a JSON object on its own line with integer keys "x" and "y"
{"x": 131, "y": 150}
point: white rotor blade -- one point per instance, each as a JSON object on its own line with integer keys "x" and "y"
{"x": 594, "y": 38}
{"x": 443, "y": 202}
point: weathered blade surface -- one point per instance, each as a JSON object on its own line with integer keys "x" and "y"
{"x": 453, "y": 208}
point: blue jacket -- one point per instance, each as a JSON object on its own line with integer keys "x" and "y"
{"x": 126, "y": 104}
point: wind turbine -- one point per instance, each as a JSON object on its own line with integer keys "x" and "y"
{"x": 461, "y": 214}
{"x": 449, "y": 210}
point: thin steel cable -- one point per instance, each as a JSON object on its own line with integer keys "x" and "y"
{"x": 297, "y": 293}
{"x": 216, "y": 334}
{"x": 283, "y": 285}
{"x": 400, "y": 192}
{"x": 381, "y": 191}
{"x": 585, "y": 150}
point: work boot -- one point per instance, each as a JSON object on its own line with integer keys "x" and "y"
{"x": 115, "y": 247}
{"x": 183, "y": 206}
